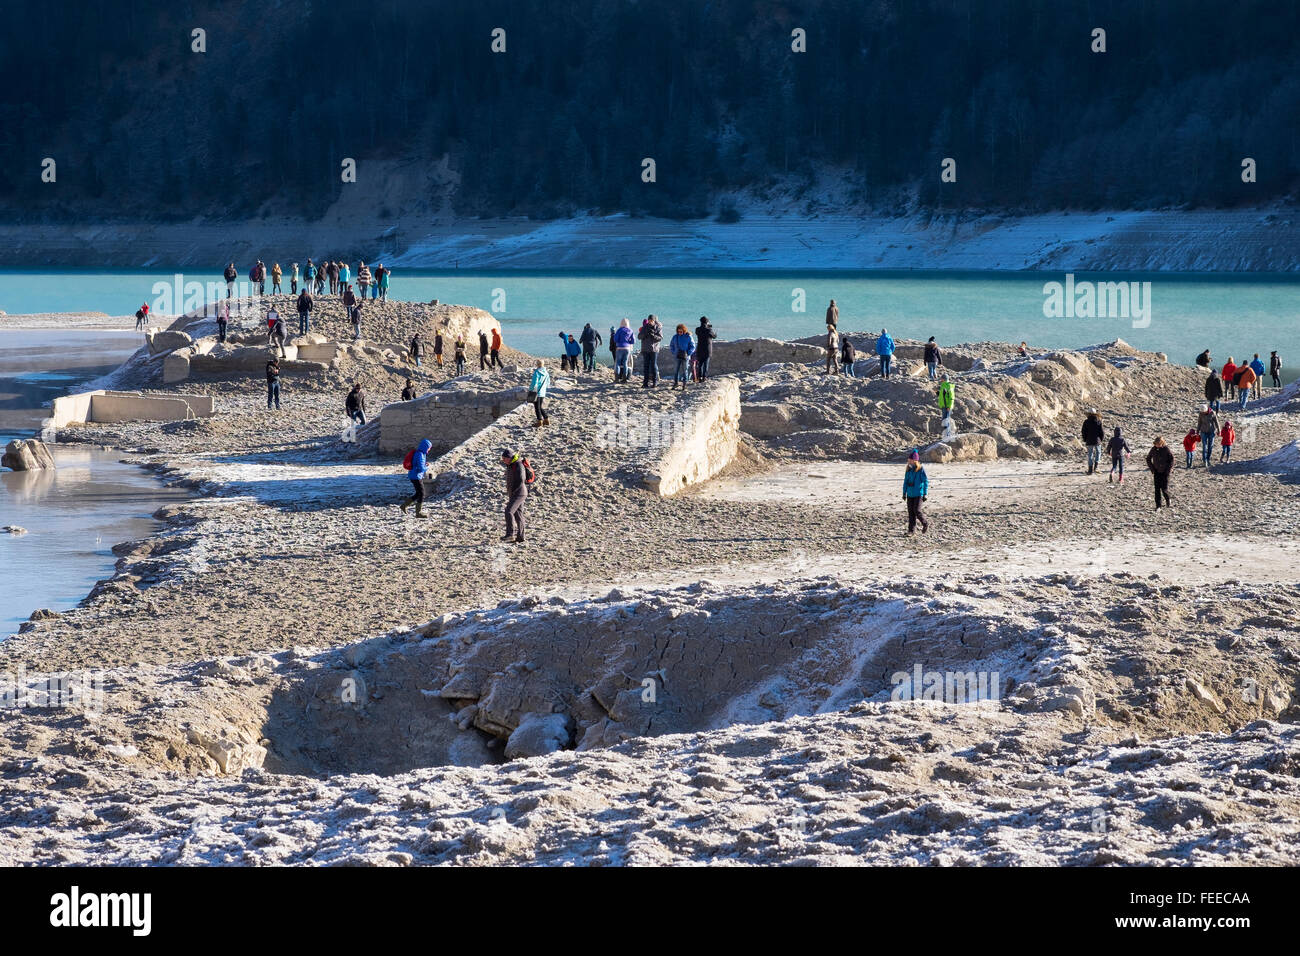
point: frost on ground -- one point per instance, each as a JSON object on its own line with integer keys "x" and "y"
{"x": 298, "y": 672}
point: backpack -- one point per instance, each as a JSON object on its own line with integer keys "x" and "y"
{"x": 409, "y": 461}
{"x": 530, "y": 476}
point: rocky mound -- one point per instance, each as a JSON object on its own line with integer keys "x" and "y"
{"x": 1031, "y": 406}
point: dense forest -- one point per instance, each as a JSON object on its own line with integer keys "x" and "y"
{"x": 143, "y": 127}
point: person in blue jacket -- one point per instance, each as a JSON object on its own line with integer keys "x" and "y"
{"x": 538, "y": 386}
{"x": 885, "y": 349}
{"x": 419, "y": 465}
{"x": 916, "y": 485}
{"x": 1257, "y": 366}
{"x": 569, "y": 360}
{"x": 621, "y": 340}
{"x": 682, "y": 347}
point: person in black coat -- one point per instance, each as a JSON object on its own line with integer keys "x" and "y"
{"x": 704, "y": 336}
{"x": 1161, "y": 462}
{"x": 1214, "y": 390}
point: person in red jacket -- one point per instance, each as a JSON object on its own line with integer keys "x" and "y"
{"x": 1229, "y": 370}
{"x": 1226, "y": 437}
{"x": 1190, "y": 441}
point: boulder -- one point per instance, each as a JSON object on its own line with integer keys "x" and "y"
{"x": 29, "y": 455}
{"x": 968, "y": 446}
{"x": 166, "y": 341}
{"x": 766, "y": 419}
{"x": 176, "y": 367}
{"x": 538, "y": 734}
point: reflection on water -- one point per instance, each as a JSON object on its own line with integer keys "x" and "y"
{"x": 73, "y": 516}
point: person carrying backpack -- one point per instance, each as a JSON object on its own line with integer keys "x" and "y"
{"x": 1160, "y": 461}
{"x": 1119, "y": 450}
{"x": 1246, "y": 379}
{"x": 538, "y": 386}
{"x": 517, "y": 481}
{"x": 1227, "y": 437}
{"x": 417, "y": 463}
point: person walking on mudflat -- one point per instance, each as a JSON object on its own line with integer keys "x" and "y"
{"x": 231, "y": 274}
{"x": 437, "y": 348}
{"x": 273, "y": 382}
{"x": 416, "y": 349}
{"x": 916, "y": 486}
{"x": 1246, "y": 379}
{"x": 223, "y": 320}
{"x": 1214, "y": 389}
{"x": 1119, "y": 450}
{"x": 538, "y": 386}
{"x": 1275, "y": 369}
{"x": 848, "y": 356}
{"x": 1093, "y": 433}
{"x": 833, "y": 315}
{"x": 1160, "y": 460}
{"x": 1207, "y": 425}
{"x": 418, "y": 465}
{"x": 516, "y": 495}
{"x": 1190, "y": 441}
{"x": 459, "y": 356}
{"x": 482, "y": 350}
{"x": 1227, "y": 438}
{"x": 494, "y": 349}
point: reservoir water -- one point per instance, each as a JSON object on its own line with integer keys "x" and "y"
{"x": 1231, "y": 315}
{"x": 75, "y": 514}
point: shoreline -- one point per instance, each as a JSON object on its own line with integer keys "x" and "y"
{"x": 1257, "y": 240}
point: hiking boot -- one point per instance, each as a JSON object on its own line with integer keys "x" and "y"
{"x": 507, "y": 537}
{"x": 1110, "y": 477}
{"x": 546, "y": 420}
{"x": 406, "y": 504}
{"x": 419, "y": 509}
{"x": 519, "y": 540}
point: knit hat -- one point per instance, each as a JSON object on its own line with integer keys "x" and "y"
{"x": 915, "y": 455}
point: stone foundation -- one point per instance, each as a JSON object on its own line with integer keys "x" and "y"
{"x": 445, "y": 417}
{"x": 106, "y": 406}
{"x": 706, "y": 443}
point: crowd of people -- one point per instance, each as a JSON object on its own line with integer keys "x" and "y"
{"x": 691, "y": 357}
{"x": 334, "y": 276}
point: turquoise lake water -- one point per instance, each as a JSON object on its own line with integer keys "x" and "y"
{"x": 1230, "y": 316}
